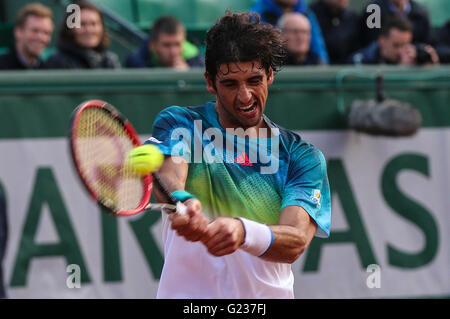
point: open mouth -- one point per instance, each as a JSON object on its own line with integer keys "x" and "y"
{"x": 248, "y": 109}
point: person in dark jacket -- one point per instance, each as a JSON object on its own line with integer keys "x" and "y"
{"x": 394, "y": 46}
{"x": 271, "y": 11}
{"x": 32, "y": 34}
{"x": 166, "y": 47}
{"x": 416, "y": 13}
{"x": 443, "y": 43}
{"x": 84, "y": 47}
{"x": 340, "y": 28}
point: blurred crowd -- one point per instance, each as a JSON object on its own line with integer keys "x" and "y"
{"x": 325, "y": 32}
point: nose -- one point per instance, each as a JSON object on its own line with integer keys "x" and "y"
{"x": 244, "y": 95}
{"x": 42, "y": 37}
{"x": 173, "y": 51}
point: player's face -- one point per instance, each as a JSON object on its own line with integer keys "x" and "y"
{"x": 241, "y": 90}
{"x": 35, "y": 35}
{"x": 90, "y": 34}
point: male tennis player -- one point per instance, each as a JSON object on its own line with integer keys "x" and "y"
{"x": 249, "y": 217}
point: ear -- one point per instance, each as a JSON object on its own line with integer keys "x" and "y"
{"x": 210, "y": 84}
{"x": 270, "y": 77}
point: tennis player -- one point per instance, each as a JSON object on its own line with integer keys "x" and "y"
{"x": 249, "y": 217}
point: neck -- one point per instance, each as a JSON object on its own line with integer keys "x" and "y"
{"x": 29, "y": 59}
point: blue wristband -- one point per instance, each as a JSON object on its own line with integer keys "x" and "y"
{"x": 182, "y": 195}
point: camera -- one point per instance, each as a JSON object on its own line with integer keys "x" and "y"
{"x": 422, "y": 56}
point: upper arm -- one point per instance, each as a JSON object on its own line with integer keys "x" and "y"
{"x": 171, "y": 133}
{"x": 307, "y": 187}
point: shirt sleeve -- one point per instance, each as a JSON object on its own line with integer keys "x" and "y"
{"x": 172, "y": 132}
{"x": 307, "y": 186}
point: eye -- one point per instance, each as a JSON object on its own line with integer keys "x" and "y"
{"x": 255, "y": 81}
{"x": 228, "y": 84}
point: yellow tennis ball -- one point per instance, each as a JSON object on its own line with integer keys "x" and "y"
{"x": 144, "y": 159}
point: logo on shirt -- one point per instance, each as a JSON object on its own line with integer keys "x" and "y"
{"x": 316, "y": 197}
{"x": 243, "y": 160}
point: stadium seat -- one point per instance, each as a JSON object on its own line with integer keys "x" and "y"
{"x": 195, "y": 14}
{"x": 123, "y": 8}
{"x": 439, "y": 11}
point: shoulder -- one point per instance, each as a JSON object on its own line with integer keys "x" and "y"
{"x": 112, "y": 59}
{"x": 61, "y": 59}
{"x": 6, "y": 55}
{"x": 351, "y": 15}
{"x": 291, "y": 141}
{"x": 140, "y": 57}
{"x": 136, "y": 60}
{"x": 196, "y": 61}
{"x": 6, "y": 59}
{"x": 306, "y": 161}
{"x": 180, "y": 115}
{"x": 418, "y": 9}
{"x": 367, "y": 55}
{"x": 182, "y": 111}
{"x": 298, "y": 149}
{"x": 314, "y": 59}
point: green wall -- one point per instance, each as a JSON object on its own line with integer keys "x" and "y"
{"x": 300, "y": 98}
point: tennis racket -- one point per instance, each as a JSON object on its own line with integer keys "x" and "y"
{"x": 100, "y": 139}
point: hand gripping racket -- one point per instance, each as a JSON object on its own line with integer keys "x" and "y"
{"x": 100, "y": 139}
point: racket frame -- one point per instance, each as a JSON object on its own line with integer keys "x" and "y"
{"x": 147, "y": 180}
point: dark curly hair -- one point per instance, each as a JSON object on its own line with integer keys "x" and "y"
{"x": 241, "y": 37}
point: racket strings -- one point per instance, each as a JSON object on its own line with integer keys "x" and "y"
{"x": 102, "y": 145}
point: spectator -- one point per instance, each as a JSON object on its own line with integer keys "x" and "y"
{"x": 271, "y": 10}
{"x": 416, "y": 13}
{"x": 296, "y": 31}
{"x": 84, "y": 47}
{"x": 443, "y": 43}
{"x": 32, "y": 34}
{"x": 394, "y": 46}
{"x": 340, "y": 28}
{"x": 166, "y": 47}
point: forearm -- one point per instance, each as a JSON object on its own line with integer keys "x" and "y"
{"x": 288, "y": 244}
{"x": 291, "y": 236}
{"x": 173, "y": 174}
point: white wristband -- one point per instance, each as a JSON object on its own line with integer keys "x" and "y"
{"x": 258, "y": 237}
